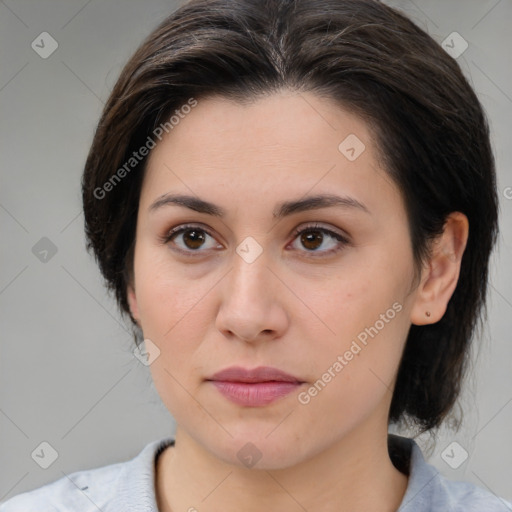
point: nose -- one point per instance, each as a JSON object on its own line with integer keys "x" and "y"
{"x": 251, "y": 304}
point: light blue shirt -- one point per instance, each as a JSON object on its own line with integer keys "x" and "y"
{"x": 130, "y": 487}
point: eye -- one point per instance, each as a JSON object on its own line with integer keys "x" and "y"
{"x": 189, "y": 238}
{"x": 313, "y": 237}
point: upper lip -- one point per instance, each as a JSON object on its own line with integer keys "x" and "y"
{"x": 259, "y": 374}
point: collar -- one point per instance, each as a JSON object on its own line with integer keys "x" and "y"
{"x": 136, "y": 482}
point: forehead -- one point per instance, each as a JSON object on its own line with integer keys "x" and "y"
{"x": 283, "y": 120}
{"x": 282, "y": 143}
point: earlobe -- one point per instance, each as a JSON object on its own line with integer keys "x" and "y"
{"x": 439, "y": 278}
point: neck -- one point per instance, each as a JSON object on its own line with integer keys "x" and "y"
{"x": 356, "y": 473}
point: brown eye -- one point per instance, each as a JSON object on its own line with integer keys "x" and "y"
{"x": 312, "y": 238}
{"x": 193, "y": 238}
{"x": 190, "y": 239}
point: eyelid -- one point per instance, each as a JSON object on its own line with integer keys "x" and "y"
{"x": 342, "y": 237}
{"x": 170, "y": 233}
{"x": 320, "y": 227}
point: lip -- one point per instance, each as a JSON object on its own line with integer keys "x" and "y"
{"x": 254, "y": 387}
{"x": 259, "y": 374}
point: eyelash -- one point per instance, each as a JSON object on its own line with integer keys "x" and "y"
{"x": 343, "y": 241}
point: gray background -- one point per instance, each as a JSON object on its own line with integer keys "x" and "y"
{"x": 68, "y": 374}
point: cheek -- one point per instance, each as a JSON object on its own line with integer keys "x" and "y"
{"x": 173, "y": 313}
{"x": 174, "y": 316}
{"x": 166, "y": 292}
{"x": 354, "y": 378}
{"x": 354, "y": 300}
{"x": 369, "y": 319}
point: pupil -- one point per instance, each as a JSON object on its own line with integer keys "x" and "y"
{"x": 195, "y": 238}
{"x": 310, "y": 237}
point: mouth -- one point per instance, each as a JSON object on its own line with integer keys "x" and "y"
{"x": 260, "y": 374}
{"x": 254, "y": 387}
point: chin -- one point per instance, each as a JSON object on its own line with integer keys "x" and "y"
{"x": 255, "y": 449}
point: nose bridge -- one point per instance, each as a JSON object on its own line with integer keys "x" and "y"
{"x": 250, "y": 304}
{"x": 250, "y": 277}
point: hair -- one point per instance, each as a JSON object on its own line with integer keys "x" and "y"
{"x": 427, "y": 124}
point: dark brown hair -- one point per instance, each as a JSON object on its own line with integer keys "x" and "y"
{"x": 428, "y": 125}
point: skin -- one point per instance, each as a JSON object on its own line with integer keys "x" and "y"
{"x": 295, "y": 307}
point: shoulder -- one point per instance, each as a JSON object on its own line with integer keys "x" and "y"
{"x": 70, "y": 492}
{"x": 428, "y": 490}
{"x": 468, "y": 497}
{"x": 107, "y": 488}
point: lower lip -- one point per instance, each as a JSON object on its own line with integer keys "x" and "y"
{"x": 255, "y": 393}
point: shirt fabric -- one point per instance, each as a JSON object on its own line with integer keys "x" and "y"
{"x": 130, "y": 486}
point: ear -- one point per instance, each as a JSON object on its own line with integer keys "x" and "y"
{"x": 132, "y": 302}
{"x": 439, "y": 277}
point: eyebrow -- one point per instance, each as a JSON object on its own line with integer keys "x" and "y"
{"x": 282, "y": 210}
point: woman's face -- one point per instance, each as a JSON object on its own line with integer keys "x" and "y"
{"x": 244, "y": 289}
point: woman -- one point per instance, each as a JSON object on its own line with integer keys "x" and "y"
{"x": 295, "y": 203}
